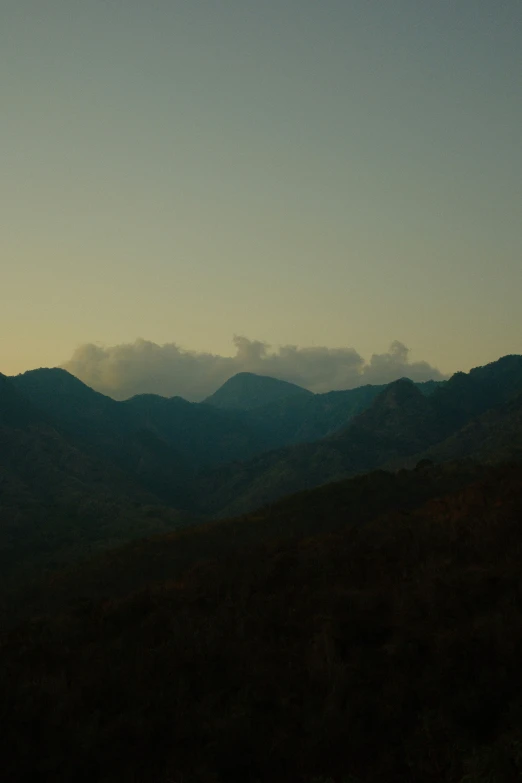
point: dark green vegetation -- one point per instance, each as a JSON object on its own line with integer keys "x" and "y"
{"x": 353, "y": 501}
{"x": 401, "y": 423}
{"x": 58, "y": 501}
{"x": 382, "y": 648}
{"x": 181, "y": 437}
{"x": 307, "y": 418}
{"x": 494, "y": 436}
{"x": 366, "y": 630}
{"x": 80, "y": 471}
{"x": 163, "y": 443}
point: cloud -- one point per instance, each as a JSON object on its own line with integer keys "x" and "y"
{"x": 146, "y": 367}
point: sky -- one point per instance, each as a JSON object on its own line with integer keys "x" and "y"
{"x": 343, "y": 175}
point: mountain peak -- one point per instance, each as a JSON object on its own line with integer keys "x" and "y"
{"x": 400, "y": 409}
{"x": 50, "y": 377}
{"x": 399, "y": 392}
{"x": 246, "y": 391}
{"x": 63, "y": 396}
{"x": 57, "y": 382}
{"x": 15, "y": 409}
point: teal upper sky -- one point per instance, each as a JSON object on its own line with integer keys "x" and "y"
{"x": 343, "y": 172}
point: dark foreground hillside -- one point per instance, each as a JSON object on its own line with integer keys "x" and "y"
{"x": 379, "y": 652}
{"x": 122, "y": 569}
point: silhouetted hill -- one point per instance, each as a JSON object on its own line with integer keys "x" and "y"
{"x": 33, "y": 452}
{"x": 310, "y": 417}
{"x": 305, "y": 418}
{"x": 15, "y": 409}
{"x": 246, "y": 391}
{"x": 71, "y": 402}
{"x": 202, "y": 434}
{"x": 108, "y": 430}
{"x": 151, "y": 447}
{"x": 495, "y": 436}
{"x": 466, "y": 395}
{"x": 401, "y": 418}
{"x": 164, "y": 442}
{"x": 58, "y": 502}
{"x": 401, "y": 422}
{"x": 161, "y": 442}
{"x": 380, "y": 652}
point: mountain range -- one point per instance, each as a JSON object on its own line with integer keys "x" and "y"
{"x": 271, "y": 585}
{"x": 400, "y": 423}
{"x": 68, "y": 451}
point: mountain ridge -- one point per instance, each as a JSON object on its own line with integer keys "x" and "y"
{"x": 400, "y": 423}
{"x": 247, "y": 391}
{"x": 165, "y": 451}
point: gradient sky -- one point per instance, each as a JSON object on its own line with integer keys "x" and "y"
{"x": 339, "y": 173}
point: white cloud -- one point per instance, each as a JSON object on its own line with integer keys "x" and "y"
{"x": 146, "y": 367}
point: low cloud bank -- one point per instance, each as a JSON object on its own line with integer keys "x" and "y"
{"x": 145, "y": 367}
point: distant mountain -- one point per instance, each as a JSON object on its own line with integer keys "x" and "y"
{"x": 210, "y": 460}
{"x": 164, "y": 442}
{"x": 301, "y": 418}
{"x": 189, "y": 435}
{"x": 107, "y": 430}
{"x": 161, "y": 442}
{"x": 58, "y": 501}
{"x": 71, "y": 402}
{"x": 247, "y": 391}
{"x": 15, "y": 409}
{"x": 202, "y": 434}
{"x": 308, "y": 417}
{"x": 495, "y": 436}
{"x": 466, "y": 395}
{"x": 401, "y": 422}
